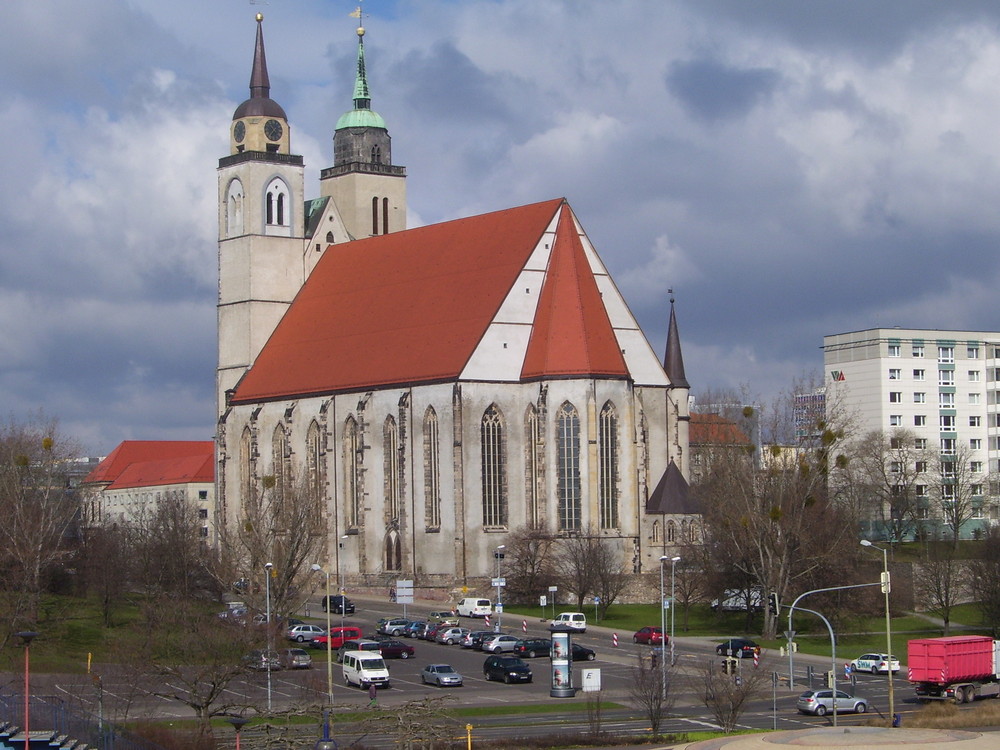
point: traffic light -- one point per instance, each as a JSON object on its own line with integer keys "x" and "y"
{"x": 772, "y": 604}
{"x": 729, "y": 665}
{"x": 831, "y": 679}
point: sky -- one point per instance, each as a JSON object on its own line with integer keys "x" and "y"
{"x": 789, "y": 169}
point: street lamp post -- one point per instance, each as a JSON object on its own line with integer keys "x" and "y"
{"x": 673, "y": 604}
{"x": 498, "y": 554}
{"x": 267, "y": 656}
{"x": 886, "y": 587}
{"x": 663, "y": 629}
{"x": 237, "y": 722}
{"x": 27, "y": 636}
{"x": 340, "y": 590}
{"x": 329, "y": 635}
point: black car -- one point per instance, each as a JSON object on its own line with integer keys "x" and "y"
{"x": 532, "y": 647}
{"x": 742, "y": 647}
{"x": 339, "y": 604}
{"x": 582, "y": 653}
{"x": 507, "y": 668}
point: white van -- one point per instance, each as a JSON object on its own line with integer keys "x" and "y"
{"x": 473, "y": 607}
{"x": 364, "y": 668}
{"x": 574, "y": 620}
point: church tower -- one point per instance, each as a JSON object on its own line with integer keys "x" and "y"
{"x": 261, "y": 227}
{"x": 368, "y": 190}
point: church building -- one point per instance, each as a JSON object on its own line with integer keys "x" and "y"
{"x": 433, "y": 389}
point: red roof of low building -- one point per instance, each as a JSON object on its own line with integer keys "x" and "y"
{"x": 711, "y": 429}
{"x": 183, "y": 470}
{"x": 411, "y": 307}
{"x": 130, "y": 455}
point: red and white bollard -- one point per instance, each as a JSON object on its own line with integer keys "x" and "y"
{"x": 486, "y": 621}
{"x": 614, "y": 640}
{"x": 524, "y": 626}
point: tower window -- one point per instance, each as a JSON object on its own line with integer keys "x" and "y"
{"x": 385, "y": 216}
{"x": 276, "y": 203}
{"x": 374, "y": 215}
{"x": 376, "y": 155}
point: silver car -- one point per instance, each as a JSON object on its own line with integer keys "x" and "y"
{"x": 499, "y": 643}
{"x": 820, "y": 702}
{"x": 441, "y": 675}
{"x": 449, "y": 636}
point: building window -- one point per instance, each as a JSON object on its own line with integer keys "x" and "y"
{"x": 972, "y": 352}
{"x": 656, "y": 532}
{"x": 974, "y": 398}
{"x": 946, "y": 400}
{"x": 533, "y": 465}
{"x": 352, "y": 489}
{"x": 202, "y": 513}
{"x": 948, "y": 446}
{"x": 390, "y": 467}
{"x": 947, "y": 421}
{"x": 919, "y": 420}
{"x": 974, "y": 376}
{"x": 975, "y": 444}
{"x": 895, "y": 397}
{"x": 607, "y": 457}
{"x": 374, "y": 216}
{"x": 276, "y": 203}
{"x": 432, "y": 471}
{"x": 946, "y": 354}
{"x": 568, "y": 467}
{"x": 494, "y": 460}
{"x": 920, "y": 443}
{"x": 893, "y": 350}
{"x": 946, "y": 377}
{"x": 976, "y": 467}
{"x": 918, "y": 351}
{"x": 975, "y": 421}
{"x": 896, "y": 467}
{"x": 919, "y": 397}
{"x": 920, "y": 490}
{"x": 315, "y": 474}
{"x": 895, "y": 420}
{"x": 919, "y": 374}
{"x": 281, "y": 466}
{"x": 671, "y": 532}
{"x": 894, "y": 373}
{"x": 921, "y": 467}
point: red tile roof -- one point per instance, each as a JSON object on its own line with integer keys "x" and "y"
{"x": 572, "y": 334}
{"x": 711, "y": 429}
{"x": 411, "y": 307}
{"x": 184, "y": 470}
{"x": 136, "y": 452}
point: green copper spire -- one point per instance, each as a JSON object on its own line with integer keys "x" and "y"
{"x": 362, "y": 116}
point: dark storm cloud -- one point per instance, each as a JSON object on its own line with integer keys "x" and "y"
{"x": 713, "y": 91}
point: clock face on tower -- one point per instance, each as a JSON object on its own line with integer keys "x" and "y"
{"x": 273, "y": 130}
{"x": 239, "y": 131}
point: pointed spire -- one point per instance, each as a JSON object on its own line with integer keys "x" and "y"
{"x": 673, "y": 360}
{"x": 260, "y": 85}
{"x": 362, "y": 100}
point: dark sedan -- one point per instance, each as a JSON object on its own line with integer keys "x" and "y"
{"x": 741, "y": 647}
{"x": 395, "y": 649}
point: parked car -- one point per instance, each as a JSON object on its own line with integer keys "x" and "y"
{"x": 294, "y": 658}
{"x": 262, "y": 660}
{"x": 413, "y": 628}
{"x": 393, "y": 649}
{"x": 420, "y": 631}
{"x": 820, "y": 702}
{"x": 741, "y": 647}
{"x": 432, "y": 629}
{"x": 441, "y": 675}
{"x": 582, "y": 653}
{"x": 474, "y": 607}
{"x": 393, "y": 627}
{"x": 303, "y": 633}
{"x": 448, "y": 636}
{"x": 875, "y": 663}
{"x": 445, "y": 617}
{"x": 361, "y": 644}
{"x": 338, "y": 636}
{"x": 532, "y": 647}
{"x": 363, "y": 669}
{"x": 739, "y": 600}
{"x": 339, "y": 604}
{"x": 474, "y": 640}
{"x": 649, "y": 635}
{"x": 507, "y": 668}
{"x": 500, "y": 642}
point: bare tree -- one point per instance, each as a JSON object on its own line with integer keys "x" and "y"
{"x": 984, "y": 580}
{"x": 105, "y": 563}
{"x": 959, "y": 489}
{"x": 418, "y": 723}
{"x": 589, "y": 564}
{"x": 692, "y": 580}
{"x": 726, "y": 695}
{"x": 651, "y": 690}
{"x": 37, "y": 506}
{"x": 528, "y": 564}
{"x": 941, "y": 582}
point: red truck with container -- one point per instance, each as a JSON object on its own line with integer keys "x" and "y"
{"x": 959, "y": 668}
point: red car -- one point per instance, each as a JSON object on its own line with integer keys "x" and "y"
{"x": 396, "y": 650}
{"x": 652, "y": 636}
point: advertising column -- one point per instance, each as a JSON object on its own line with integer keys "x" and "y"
{"x": 562, "y": 664}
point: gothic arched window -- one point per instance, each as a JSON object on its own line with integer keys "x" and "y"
{"x": 352, "y": 490}
{"x": 390, "y": 465}
{"x": 432, "y": 471}
{"x": 275, "y": 203}
{"x": 234, "y": 209}
{"x": 532, "y": 466}
{"x": 494, "y": 468}
{"x": 568, "y": 467}
{"x": 607, "y": 460}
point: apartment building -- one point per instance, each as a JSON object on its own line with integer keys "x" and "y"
{"x": 940, "y": 385}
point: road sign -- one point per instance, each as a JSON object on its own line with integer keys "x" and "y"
{"x": 542, "y": 600}
{"x": 553, "y": 589}
{"x": 499, "y": 582}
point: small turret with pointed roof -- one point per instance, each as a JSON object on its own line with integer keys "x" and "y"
{"x": 673, "y": 360}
